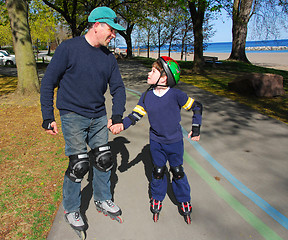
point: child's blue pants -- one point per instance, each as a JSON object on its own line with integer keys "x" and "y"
{"x": 174, "y": 154}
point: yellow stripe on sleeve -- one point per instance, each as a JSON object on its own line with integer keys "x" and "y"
{"x": 188, "y": 104}
{"x": 139, "y": 110}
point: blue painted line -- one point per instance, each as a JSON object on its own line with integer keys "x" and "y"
{"x": 276, "y": 215}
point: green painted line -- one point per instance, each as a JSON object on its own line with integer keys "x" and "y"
{"x": 248, "y": 216}
{"x": 134, "y": 94}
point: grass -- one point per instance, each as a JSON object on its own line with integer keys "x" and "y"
{"x": 32, "y": 164}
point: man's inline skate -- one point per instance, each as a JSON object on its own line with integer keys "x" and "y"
{"x": 185, "y": 211}
{"x": 77, "y": 223}
{"x": 109, "y": 208}
{"x": 155, "y": 208}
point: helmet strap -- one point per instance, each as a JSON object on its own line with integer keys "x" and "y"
{"x": 154, "y": 85}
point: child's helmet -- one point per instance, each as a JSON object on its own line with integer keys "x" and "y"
{"x": 172, "y": 70}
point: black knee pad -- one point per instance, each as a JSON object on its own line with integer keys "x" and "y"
{"x": 102, "y": 158}
{"x": 78, "y": 167}
{"x": 159, "y": 172}
{"x": 178, "y": 172}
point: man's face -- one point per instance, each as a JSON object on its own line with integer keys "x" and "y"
{"x": 105, "y": 34}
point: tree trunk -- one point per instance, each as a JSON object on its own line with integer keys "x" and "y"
{"x": 198, "y": 48}
{"x": 148, "y": 48}
{"x": 197, "y": 16}
{"x": 127, "y": 36}
{"x": 28, "y": 82}
{"x": 241, "y": 16}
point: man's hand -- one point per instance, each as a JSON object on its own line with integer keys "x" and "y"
{"x": 54, "y": 129}
{"x": 117, "y": 128}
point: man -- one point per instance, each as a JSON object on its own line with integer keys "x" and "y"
{"x": 82, "y": 68}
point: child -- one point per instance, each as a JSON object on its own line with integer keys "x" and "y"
{"x": 163, "y": 103}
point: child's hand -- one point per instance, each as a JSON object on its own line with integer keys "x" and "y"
{"x": 109, "y": 124}
{"x": 116, "y": 128}
{"x": 195, "y": 138}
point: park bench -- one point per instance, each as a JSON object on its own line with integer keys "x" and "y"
{"x": 210, "y": 59}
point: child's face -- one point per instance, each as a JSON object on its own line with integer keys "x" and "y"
{"x": 153, "y": 76}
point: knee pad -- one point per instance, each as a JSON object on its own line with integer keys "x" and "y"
{"x": 178, "y": 172}
{"x": 103, "y": 158}
{"x": 159, "y": 172}
{"x": 78, "y": 167}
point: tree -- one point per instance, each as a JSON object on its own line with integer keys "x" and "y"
{"x": 173, "y": 26}
{"x": 75, "y": 12}
{"x": 144, "y": 35}
{"x": 5, "y": 29}
{"x": 197, "y": 11}
{"x": 265, "y": 17}
{"x": 269, "y": 19}
{"x": 28, "y": 82}
{"x": 147, "y": 22}
{"x": 241, "y": 14}
{"x": 186, "y": 37}
{"x": 129, "y": 12}
{"x": 43, "y": 23}
{"x": 160, "y": 36}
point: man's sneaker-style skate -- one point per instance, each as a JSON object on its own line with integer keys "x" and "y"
{"x": 109, "y": 208}
{"x": 77, "y": 223}
{"x": 186, "y": 210}
{"x": 155, "y": 208}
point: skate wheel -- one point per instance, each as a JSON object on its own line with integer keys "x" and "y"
{"x": 119, "y": 219}
{"x": 155, "y": 217}
{"x": 82, "y": 235}
{"x": 188, "y": 219}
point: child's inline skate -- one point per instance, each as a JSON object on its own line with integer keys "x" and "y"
{"x": 109, "y": 208}
{"x": 155, "y": 208}
{"x": 185, "y": 211}
{"x": 77, "y": 223}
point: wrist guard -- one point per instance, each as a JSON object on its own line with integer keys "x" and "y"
{"x": 47, "y": 124}
{"x": 195, "y": 130}
{"x": 116, "y": 119}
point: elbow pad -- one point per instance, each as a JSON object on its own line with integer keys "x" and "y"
{"x": 198, "y": 107}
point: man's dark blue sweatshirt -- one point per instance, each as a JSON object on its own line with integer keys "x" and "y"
{"x": 82, "y": 73}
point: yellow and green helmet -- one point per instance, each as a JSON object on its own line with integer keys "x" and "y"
{"x": 172, "y": 70}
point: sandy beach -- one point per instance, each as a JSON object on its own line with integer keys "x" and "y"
{"x": 277, "y": 60}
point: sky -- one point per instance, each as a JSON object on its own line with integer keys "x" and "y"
{"x": 223, "y": 27}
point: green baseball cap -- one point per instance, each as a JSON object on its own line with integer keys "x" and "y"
{"x": 105, "y": 15}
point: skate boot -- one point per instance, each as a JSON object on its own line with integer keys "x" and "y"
{"x": 109, "y": 208}
{"x": 77, "y": 223}
{"x": 186, "y": 210}
{"x": 155, "y": 208}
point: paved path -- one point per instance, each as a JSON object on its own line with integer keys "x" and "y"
{"x": 237, "y": 172}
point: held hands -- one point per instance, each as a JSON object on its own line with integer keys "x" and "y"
{"x": 195, "y": 138}
{"x": 115, "y": 128}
